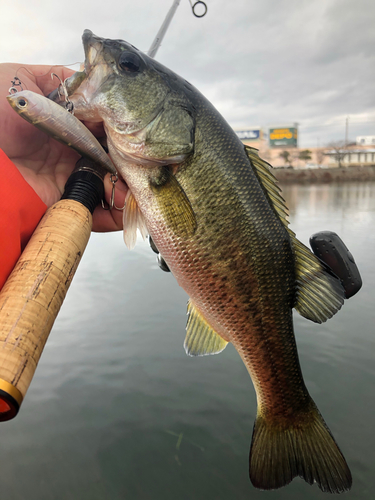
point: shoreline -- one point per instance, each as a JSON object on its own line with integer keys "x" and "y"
{"x": 325, "y": 175}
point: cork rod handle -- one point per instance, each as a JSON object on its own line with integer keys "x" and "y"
{"x": 33, "y": 294}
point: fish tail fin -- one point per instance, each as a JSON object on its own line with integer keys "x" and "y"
{"x": 305, "y": 447}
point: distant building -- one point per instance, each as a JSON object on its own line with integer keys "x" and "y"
{"x": 365, "y": 140}
{"x": 353, "y": 157}
{"x": 272, "y": 148}
{"x": 251, "y": 136}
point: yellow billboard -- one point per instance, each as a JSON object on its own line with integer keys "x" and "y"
{"x": 283, "y": 136}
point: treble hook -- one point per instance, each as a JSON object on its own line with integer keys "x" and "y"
{"x": 64, "y": 93}
{"x": 111, "y": 205}
{"x": 195, "y": 5}
{"x": 16, "y": 83}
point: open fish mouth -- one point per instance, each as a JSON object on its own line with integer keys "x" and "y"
{"x": 93, "y": 46}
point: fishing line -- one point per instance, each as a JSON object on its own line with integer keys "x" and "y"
{"x": 16, "y": 82}
{"x": 17, "y": 85}
{"x": 48, "y": 71}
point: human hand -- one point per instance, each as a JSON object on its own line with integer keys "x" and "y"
{"x": 45, "y": 163}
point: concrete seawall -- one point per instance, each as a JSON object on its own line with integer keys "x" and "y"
{"x": 325, "y": 175}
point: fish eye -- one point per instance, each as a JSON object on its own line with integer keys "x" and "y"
{"x": 130, "y": 62}
{"x": 21, "y": 103}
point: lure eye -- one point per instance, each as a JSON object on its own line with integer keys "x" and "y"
{"x": 21, "y": 103}
{"x": 130, "y": 62}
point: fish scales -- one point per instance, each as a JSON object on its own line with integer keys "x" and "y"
{"x": 215, "y": 215}
{"x": 243, "y": 246}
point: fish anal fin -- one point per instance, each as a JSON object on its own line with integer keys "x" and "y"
{"x": 132, "y": 220}
{"x": 173, "y": 203}
{"x": 201, "y": 339}
{"x": 304, "y": 447}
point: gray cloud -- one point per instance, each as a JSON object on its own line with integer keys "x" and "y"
{"x": 258, "y": 62}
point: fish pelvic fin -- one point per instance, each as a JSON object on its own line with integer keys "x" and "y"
{"x": 132, "y": 220}
{"x": 201, "y": 339}
{"x": 305, "y": 448}
{"x": 319, "y": 295}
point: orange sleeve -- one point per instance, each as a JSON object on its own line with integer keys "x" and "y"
{"x": 20, "y": 212}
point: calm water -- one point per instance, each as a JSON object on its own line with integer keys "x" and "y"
{"x": 116, "y": 409}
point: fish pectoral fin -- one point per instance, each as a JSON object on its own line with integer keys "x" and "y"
{"x": 173, "y": 203}
{"x": 132, "y": 220}
{"x": 319, "y": 295}
{"x": 201, "y": 339}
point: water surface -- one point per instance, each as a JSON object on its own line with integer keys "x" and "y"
{"x": 116, "y": 410}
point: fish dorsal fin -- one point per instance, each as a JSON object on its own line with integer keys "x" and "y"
{"x": 201, "y": 339}
{"x": 173, "y": 203}
{"x": 132, "y": 219}
{"x": 319, "y": 295}
{"x": 268, "y": 183}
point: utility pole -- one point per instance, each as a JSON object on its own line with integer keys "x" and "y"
{"x": 346, "y": 131}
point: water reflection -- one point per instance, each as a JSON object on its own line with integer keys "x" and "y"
{"x": 114, "y": 390}
{"x": 347, "y": 209}
{"x": 317, "y": 198}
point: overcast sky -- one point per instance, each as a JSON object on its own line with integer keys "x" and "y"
{"x": 259, "y": 62}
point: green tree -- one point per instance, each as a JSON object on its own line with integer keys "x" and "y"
{"x": 287, "y": 157}
{"x": 305, "y": 155}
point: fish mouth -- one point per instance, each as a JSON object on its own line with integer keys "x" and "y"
{"x": 93, "y": 46}
{"x": 84, "y": 86}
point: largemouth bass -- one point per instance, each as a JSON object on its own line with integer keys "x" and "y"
{"x": 60, "y": 124}
{"x": 215, "y": 214}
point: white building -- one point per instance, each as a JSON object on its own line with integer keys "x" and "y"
{"x": 352, "y": 157}
{"x": 365, "y": 140}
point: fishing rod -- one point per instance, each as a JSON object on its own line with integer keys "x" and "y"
{"x": 34, "y": 292}
{"x": 163, "y": 29}
{"x": 32, "y": 296}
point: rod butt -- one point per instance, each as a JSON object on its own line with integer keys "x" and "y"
{"x": 10, "y": 401}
